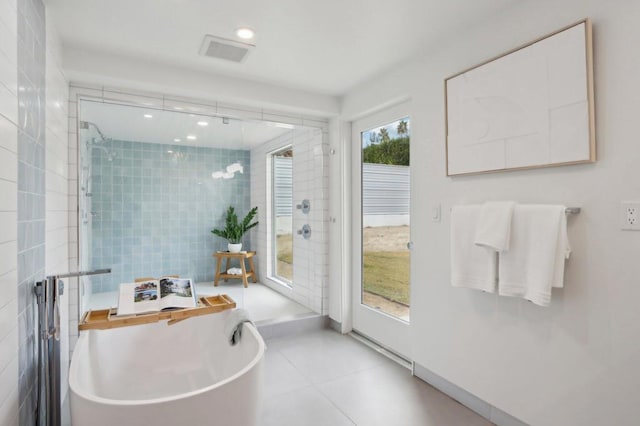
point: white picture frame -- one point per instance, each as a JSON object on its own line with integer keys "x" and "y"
{"x": 528, "y": 108}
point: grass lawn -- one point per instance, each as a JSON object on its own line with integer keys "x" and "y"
{"x": 285, "y": 248}
{"x": 285, "y": 256}
{"x": 387, "y": 274}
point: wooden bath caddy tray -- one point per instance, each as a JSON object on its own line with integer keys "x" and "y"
{"x": 103, "y": 319}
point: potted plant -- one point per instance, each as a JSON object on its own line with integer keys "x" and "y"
{"x": 234, "y": 230}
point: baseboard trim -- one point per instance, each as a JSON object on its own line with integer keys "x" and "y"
{"x": 335, "y": 325}
{"x": 483, "y": 408}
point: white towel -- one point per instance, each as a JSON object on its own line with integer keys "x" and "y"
{"x": 234, "y": 271}
{"x": 535, "y": 260}
{"x": 494, "y": 225}
{"x": 563, "y": 251}
{"x": 472, "y": 266}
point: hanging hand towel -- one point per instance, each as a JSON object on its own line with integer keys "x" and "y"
{"x": 494, "y": 225}
{"x": 532, "y": 265}
{"x": 563, "y": 251}
{"x": 472, "y": 266}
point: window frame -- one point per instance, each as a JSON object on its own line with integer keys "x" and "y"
{"x": 273, "y": 262}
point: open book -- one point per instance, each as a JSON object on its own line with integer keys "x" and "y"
{"x": 156, "y": 295}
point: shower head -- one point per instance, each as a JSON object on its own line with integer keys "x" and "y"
{"x": 85, "y": 125}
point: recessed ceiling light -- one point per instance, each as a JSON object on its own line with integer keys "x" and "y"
{"x": 203, "y": 123}
{"x": 169, "y": 152}
{"x": 245, "y": 33}
{"x": 192, "y": 137}
{"x": 148, "y": 116}
{"x": 177, "y": 140}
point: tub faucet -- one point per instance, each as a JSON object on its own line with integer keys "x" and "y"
{"x": 48, "y": 293}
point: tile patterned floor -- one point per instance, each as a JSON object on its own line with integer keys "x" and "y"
{"x": 327, "y": 379}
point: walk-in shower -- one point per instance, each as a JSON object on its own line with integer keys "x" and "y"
{"x": 153, "y": 183}
{"x": 91, "y": 138}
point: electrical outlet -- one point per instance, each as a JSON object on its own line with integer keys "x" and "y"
{"x": 630, "y": 215}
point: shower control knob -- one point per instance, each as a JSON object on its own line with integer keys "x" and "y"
{"x": 305, "y": 206}
{"x": 305, "y": 231}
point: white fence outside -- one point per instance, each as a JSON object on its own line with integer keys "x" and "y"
{"x": 386, "y": 195}
{"x": 386, "y": 190}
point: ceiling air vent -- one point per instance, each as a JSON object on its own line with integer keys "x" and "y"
{"x": 222, "y": 48}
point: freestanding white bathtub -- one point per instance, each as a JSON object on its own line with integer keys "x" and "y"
{"x": 158, "y": 374}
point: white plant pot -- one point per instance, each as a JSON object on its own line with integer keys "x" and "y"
{"x": 234, "y": 248}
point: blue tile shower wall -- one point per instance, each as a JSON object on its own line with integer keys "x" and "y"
{"x": 154, "y": 210}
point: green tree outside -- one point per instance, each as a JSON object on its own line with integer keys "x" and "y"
{"x": 384, "y": 135}
{"x": 402, "y": 128}
{"x": 392, "y": 151}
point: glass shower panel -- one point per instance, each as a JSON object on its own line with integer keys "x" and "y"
{"x": 152, "y": 185}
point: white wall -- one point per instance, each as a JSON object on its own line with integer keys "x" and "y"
{"x": 117, "y": 71}
{"x": 339, "y": 223}
{"x": 57, "y": 186}
{"x": 310, "y": 181}
{"x": 576, "y": 362}
{"x": 8, "y": 213}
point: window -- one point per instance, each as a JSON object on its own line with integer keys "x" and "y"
{"x": 282, "y": 204}
{"x": 385, "y": 218}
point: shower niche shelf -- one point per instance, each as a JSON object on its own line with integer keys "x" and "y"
{"x": 105, "y": 319}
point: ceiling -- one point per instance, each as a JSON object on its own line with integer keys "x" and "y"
{"x": 324, "y": 47}
{"x": 128, "y": 123}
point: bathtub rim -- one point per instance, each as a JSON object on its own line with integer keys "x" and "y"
{"x": 82, "y": 342}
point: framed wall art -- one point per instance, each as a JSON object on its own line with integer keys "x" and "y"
{"x": 531, "y": 107}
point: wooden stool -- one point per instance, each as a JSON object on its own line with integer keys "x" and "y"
{"x": 221, "y": 255}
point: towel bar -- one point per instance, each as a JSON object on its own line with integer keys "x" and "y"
{"x": 570, "y": 210}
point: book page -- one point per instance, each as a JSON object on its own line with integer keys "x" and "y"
{"x": 177, "y": 293}
{"x": 137, "y": 298}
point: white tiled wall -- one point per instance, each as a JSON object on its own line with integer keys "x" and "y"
{"x": 56, "y": 197}
{"x": 8, "y": 214}
{"x": 310, "y": 181}
{"x": 72, "y": 217}
{"x": 57, "y": 184}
